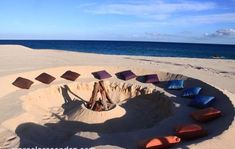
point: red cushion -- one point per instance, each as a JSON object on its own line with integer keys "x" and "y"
{"x": 70, "y": 75}
{"x": 207, "y": 114}
{"x": 190, "y": 131}
{"x": 159, "y": 142}
{"x": 22, "y": 83}
{"x": 45, "y": 78}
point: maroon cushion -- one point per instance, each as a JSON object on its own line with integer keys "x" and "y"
{"x": 101, "y": 74}
{"x": 151, "y": 78}
{"x": 207, "y": 114}
{"x": 127, "y": 75}
{"x": 45, "y": 78}
{"x": 190, "y": 131}
{"x": 22, "y": 83}
{"x": 70, "y": 75}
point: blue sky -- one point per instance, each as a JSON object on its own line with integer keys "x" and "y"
{"x": 146, "y": 20}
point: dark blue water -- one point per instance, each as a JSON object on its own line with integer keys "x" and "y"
{"x": 133, "y": 48}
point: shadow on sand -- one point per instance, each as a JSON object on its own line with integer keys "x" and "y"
{"x": 121, "y": 131}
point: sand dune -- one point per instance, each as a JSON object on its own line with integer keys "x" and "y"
{"x": 54, "y": 115}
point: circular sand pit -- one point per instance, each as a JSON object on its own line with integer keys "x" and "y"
{"x": 137, "y": 107}
{"x": 59, "y": 113}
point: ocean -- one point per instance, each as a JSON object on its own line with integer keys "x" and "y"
{"x": 162, "y": 49}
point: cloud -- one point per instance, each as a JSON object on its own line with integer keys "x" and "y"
{"x": 221, "y": 33}
{"x": 205, "y": 19}
{"x": 156, "y": 35}
{"x": 157, "y": 10}
{"x": 179, "y": 12}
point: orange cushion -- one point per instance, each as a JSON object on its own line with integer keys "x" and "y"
{"x": 190, "y": 131}
{"x": 207, "y": 114}
{"x": 159, "y": 142}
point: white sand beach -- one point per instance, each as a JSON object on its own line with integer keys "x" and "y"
{"x": 40, "y": 117}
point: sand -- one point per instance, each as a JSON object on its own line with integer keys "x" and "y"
{"x": 50, "y": 115}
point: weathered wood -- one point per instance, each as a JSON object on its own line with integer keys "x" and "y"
{"x": 94, "y": 94}
{"x": 102, "y": 104}
{"x": 98, "y": 106}
{"x": 104, "y": 99}
{"x": 106, "y": 93}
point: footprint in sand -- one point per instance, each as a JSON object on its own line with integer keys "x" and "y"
{"x": 11, "y": 142}
{"x": 11, "y": 137}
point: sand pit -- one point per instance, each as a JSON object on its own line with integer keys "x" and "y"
{"x": 55, "y": 115}
{"x": 144, "y": 106}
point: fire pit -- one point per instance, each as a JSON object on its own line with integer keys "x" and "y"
{"x": 133, "y": 106}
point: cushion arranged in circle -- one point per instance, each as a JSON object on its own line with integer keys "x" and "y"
{"x": 101, "y": 74}
{"x": 175, "y": 84}
{"x": 70, "y": 75}
{"x": 160, "y": 142}
{"x": 127, "y": 75}
{"x": 202, "y": 101}
{"x": 207, "y": 114}
{"x": 22, "y": 83}
{"x": 151, "y": 78}
{"x": 191, "y": 92}
{"x": 190, "y": 131}
{"x": 45, "y": 78}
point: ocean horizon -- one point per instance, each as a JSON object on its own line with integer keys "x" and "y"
{"x": 134, "y": 48}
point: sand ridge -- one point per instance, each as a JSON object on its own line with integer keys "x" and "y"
{"x": 47, "y": 115}
{"x": 43, "y": 124}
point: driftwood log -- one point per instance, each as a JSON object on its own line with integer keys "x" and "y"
{"x": 105, "y": 103}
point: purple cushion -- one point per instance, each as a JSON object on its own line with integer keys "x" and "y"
{"x": 127, "y": 75}
{"x": 101, "y": 74}
{"x": 45, "y": 78}
{"x": 22, "y": 83}
{"x": 151, "y": 78}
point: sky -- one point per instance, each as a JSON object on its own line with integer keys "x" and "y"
{"x": 200, "y": 21}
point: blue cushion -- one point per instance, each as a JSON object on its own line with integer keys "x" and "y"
{"x": 202, "y": 101}
{"x": 175, "y": 84}
{"x": 191, "y": 92}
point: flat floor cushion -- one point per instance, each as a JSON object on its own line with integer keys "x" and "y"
{"x": 205, "y": 115}
{"x": 45, "y": 78}
{"x": 191, "y": 92}
{"x": 22, "y": 83}
{"x": 70, "y": 75}
{"x": 159, "y": 142}
{"x": 190, "y": 131}
{"x": 175, "y": 84}
{"x": 202, "y": 101}
{"x": 127, "y": 75}
{"x": 151, "y": 78}
{"x": 101, "y": 74}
